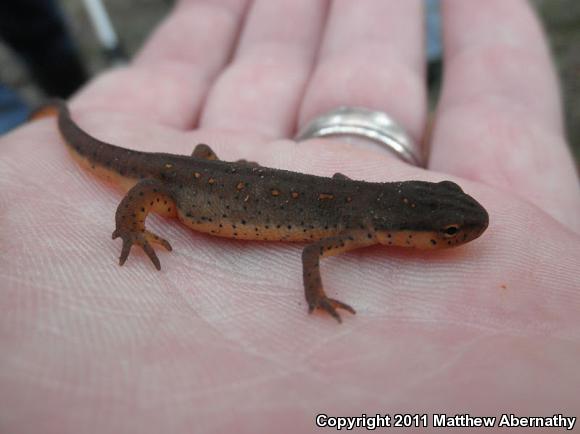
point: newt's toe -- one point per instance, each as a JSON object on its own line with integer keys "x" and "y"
{"x": 152, "y": 255}
{"x": 143, "y": 239}
{"x": 125, "y": 250}
{"x": 330, "y": 305}
{"x": 154, "y": 239}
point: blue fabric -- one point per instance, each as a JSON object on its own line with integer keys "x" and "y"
{"x": 13, "y": 110}
{"x": 434, "y": 49}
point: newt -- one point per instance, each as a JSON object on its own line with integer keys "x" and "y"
{"x": 246, "y": 201}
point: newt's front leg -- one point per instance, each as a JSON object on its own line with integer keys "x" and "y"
{"x": 146, "y": 196}
{"x": 315, "y": 295}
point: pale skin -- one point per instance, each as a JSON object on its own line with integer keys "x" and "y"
{"x": 220, "y": 340}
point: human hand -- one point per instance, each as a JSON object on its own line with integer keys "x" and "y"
{"x": 219, "y": 340}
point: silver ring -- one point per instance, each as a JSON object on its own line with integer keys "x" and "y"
{"x": 357, "y": 122}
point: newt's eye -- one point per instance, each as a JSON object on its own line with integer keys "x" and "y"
{"x": 450, "y": 231}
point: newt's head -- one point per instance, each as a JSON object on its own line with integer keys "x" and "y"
{"x": 427, "y": 215}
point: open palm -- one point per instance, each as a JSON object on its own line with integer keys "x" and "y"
{"x": 220, "y": 339}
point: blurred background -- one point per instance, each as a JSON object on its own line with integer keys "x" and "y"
{"x": 87, "y": 36}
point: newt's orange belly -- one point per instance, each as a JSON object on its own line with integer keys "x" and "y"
{"x": 253, "y": 231}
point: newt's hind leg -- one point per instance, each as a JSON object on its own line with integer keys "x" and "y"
{"x": 340, "y": 176}
{"x": 204, "y": 152}
{"x": 315, "y": 295}
{"x": 146, "y": 196}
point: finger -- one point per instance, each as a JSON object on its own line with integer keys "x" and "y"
{"x": 499, "y": 119}
{"x": 169, "y": 78}
{"x": 261, "y": 90}
{"x": 371, "y": 56}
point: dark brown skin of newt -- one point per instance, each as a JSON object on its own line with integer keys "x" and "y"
{"x": 245, "y": 201}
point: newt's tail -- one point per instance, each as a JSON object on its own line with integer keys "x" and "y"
{"x": 112, "y": 163}
{"x": 52, "y": 107}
